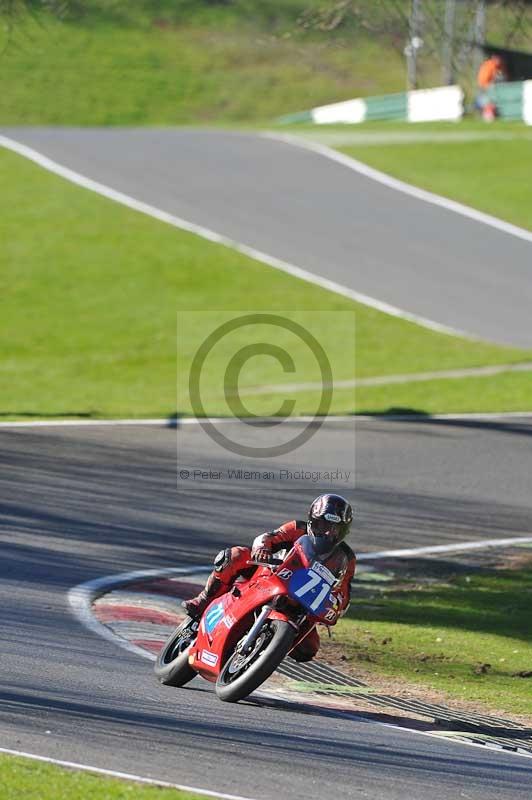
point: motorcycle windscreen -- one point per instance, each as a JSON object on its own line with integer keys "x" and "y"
{"x": 306, "y": 546}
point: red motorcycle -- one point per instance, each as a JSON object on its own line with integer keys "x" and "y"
{"x": 243, "y": 636}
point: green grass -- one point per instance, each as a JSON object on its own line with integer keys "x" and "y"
{"x": 33, "y": 780}
{"x": 167, "y": 62}
{"x": 438, "y": 636}
{"x": 508, "y": 391}
{"x": 161, "y": 69}
{"x": 90, "y": 295}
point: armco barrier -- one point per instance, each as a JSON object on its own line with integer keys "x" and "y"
{"x": 445, "y": 103}
{"x": 389, "y": 106}
{"x": 424, "y": 105}
{"x": 527, "y": 102}
{"x": 351, "y": 111}
{"x": 513, "y": 100}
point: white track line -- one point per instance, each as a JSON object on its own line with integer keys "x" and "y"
{"x": 206, "y": 233}
{"x": 85, "y": 423}
{"x": 401, "y": 186}
{"x": 385, "y": 380}
{"x": 489, "y": 415}
{"x": 124, "y": 775}
{"x": 458, "y": 547}
{"x": 172, "y": 422}
{"x": 168, "y": 422}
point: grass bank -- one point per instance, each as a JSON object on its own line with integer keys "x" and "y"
{"x": 167, "y": 62}
{"x": 34, "y": 780}
{"x": 90, "y": 296}
{"x": 467, "y": 634}
{"x": 174, "y": 63}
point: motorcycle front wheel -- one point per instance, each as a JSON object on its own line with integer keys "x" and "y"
{"x": 244, "y": 672}
{"x": 172, "y": 667}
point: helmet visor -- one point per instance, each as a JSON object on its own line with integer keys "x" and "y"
{"x": 322, "y": 527}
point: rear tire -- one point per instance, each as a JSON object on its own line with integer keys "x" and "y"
{"x": 172, "y": 667}
{"x": 233, "y": 683}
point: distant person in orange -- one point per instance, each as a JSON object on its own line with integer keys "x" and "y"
{"x": 492, "y": 70}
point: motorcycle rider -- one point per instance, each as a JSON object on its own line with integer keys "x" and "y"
{"x": 328, "y": 522}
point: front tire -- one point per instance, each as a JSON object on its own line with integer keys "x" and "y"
{"x": 172, "y": 667}
{"x": 241, "y": 674}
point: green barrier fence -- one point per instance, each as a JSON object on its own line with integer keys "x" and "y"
{"x": 388, "y": 106}
{"x": 508, "y": 97}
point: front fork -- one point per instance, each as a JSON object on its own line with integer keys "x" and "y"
{"x": 247, "y": 644}
{"x": 249, "y": 640}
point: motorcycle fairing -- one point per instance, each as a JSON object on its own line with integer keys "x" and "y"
{"x": 226, "y": 619}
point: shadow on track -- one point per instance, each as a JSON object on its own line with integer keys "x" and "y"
{"x": 101, "y": 721}
{"x": 420, "y": 417}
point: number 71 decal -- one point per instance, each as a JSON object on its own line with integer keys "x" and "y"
{"x": 312, "y": 586}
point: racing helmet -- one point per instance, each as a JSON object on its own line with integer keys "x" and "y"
{"x": 329, "y": 520}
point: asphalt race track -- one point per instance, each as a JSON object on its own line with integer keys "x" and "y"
{"x": 304, "y": 208}
{"x": 79, "y": 503}
{"x": 82, "y": 502}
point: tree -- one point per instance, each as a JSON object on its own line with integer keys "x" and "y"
{"x": 442, "y": 37}
{"x": 11, "y": 9}
{"x": 13, "y": 14}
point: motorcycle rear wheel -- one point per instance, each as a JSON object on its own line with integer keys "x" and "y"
{"x": 172, "y": 667}
{"x": 241, "y": 675}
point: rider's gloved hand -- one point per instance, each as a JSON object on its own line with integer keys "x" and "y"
{"x": 260, "y": 549}
{"x": 261, "y": 553}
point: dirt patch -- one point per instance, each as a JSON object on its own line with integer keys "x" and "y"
{"x": 334, "y": 654}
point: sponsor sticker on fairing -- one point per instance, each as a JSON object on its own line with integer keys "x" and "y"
{"x": 285, "y": 574}
{"x": 323, "y": 572}
{"x": 213, "y": 617}
{"x": 209, "y": 658}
